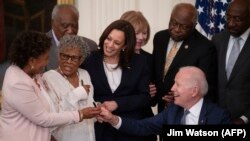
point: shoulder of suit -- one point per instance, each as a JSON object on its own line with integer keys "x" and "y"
{"x": 162, "y": 32}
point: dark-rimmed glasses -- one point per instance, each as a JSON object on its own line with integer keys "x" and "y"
{"x": 73, "y": 58}
{"x": 183, "y": 27}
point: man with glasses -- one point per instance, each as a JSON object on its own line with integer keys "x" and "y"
{"x": 192, "y": 49}
{"x": 233, "y": 47}
{"x": 64, "y": 22}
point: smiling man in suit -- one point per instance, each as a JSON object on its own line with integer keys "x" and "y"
{"x": 189, "y": 89}
{"x": 234, "y": 81}
{"x": 193, "y": 49}
{"x": 64, "y": 22}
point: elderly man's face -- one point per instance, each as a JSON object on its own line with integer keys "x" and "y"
{"x": 181, "y": 24}
{"x": 66, "y": 23}
{"x": 183, "y": 89}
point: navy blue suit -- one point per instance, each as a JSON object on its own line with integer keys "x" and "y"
{"x": 210, "y": 115}
{"x": 196, "y": 50}
{"x": 132, "y": 94}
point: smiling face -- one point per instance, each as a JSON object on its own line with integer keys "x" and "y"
{"x": 184, "y": 89}
{"x": 66, "y": 23}
{"x": 113, "y": 44}
{"x": 70, "y": 60}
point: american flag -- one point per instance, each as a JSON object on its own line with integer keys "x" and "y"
{"x": 211, "y": 16}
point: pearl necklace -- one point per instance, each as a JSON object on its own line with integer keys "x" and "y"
{"x": 113, "y": 75}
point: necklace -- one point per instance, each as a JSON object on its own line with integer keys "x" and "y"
{"x": 109, "y": 67}
{"x": 113, "y": 75}
{"x": 71, "y": 85}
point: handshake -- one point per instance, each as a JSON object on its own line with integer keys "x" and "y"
{"x": 102, "y": 112}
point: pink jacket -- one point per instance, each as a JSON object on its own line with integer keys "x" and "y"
{"x": 25, "y": 114}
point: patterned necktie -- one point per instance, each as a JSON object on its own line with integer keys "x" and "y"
{"x": 183, "y": 118}
{"x": 170, "y": 57}
{"x": 233, "y": 56}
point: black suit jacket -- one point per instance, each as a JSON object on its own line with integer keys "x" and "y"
{"x": 131, "y": 95}
{"x": 234, "y": 93}
{"x": 196, "y": 50}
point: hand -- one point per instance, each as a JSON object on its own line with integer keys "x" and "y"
{"x": 110, "y": 105}
{"x": 169, "y": 98}
{"x": 107, "y": 116}
{"x": 90, "y": 112}
{"x": 238, "y": 121}
{"x": 152, "y": 89}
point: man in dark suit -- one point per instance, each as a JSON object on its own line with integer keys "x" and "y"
{"x": 193, "y": 50}
{"x": 234, "y": 87}
{"x": 64, "y": 22}
{"x": 189, "y": 89}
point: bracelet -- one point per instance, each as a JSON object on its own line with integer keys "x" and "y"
{"x": 81, "y": 117}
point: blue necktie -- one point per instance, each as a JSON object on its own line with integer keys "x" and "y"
{"x": 183, "y": 118}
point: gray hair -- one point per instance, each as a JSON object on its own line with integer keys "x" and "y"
{"x": 54, "y": 14}
{"x": 197, "y": 77}
{"x": 74, "y": 41}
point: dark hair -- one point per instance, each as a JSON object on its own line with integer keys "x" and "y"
{"x": 26, "y": 45}
{"x": 130, "y": 40}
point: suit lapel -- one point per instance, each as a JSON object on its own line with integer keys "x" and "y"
{"x": 101, "y": 74}
{"x": 184, "y": 50}
{"x": 222, "y": 56}
{"x": 203, "y": 119}
{"x": 242, "y": 59}
{"x": 163, "y": 53}
{"x": 124, "y": 79}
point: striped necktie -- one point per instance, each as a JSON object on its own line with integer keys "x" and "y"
{"x": 170, "y": 57}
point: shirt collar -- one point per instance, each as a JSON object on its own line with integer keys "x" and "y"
{"x": 55, "y": 38}
{"x": 195, "y": 109}
{"x": 243, "y": 36}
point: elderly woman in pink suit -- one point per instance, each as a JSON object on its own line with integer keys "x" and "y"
{"x": 26, "y": 110}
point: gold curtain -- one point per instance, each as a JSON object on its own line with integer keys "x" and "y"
{"x": 65, "y": 1}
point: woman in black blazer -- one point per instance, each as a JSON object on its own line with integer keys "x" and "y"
{"x": 120, "y": 79}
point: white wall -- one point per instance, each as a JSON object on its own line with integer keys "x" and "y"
{"x": 96, "y": 15}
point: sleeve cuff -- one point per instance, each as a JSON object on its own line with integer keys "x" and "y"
{"x": 117, "y": 126}
{"x": 245, "y": 119}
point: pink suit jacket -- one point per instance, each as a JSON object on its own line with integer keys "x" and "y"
{"x": 25, "y": 114}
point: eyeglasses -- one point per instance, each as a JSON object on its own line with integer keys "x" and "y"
{"x": 183, "y": 27}
{"x": 73, "y": 58}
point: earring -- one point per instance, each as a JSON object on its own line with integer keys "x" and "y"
{"x": 123, "y": 49}
{"x": 32, "y": 67}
